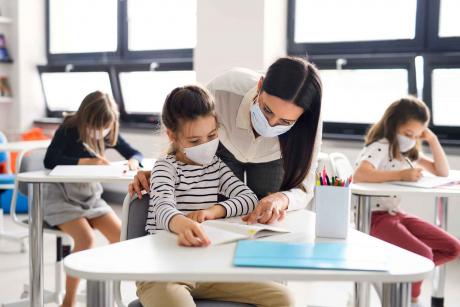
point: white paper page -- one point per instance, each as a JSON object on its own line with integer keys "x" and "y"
{"x": 221, "y": 236}
{"x": 147, "y": 165}
{"x": 430, "y": 181}
{"x": 235, "y": 224}
{"x": 85, "y": 171}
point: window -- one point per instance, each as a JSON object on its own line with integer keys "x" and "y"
{"x": 175, "y": 21}
{"x": 351, "y": 21}
{"x": 367, "y": 53}
{"x": 368, "y": 90}
{"x": 146, "y": 91}
{"x": 82, "y": 26}
{"x": 64, "y": 91}
{"x": 355, "y": 26}
{"x": 136, "y": 49}
{"x": 448, "y": 18}
{"x": 446, "y": 96}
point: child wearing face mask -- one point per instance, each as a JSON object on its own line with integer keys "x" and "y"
{"x": 392, "y": 152}
{"x": 184, "y": 192}
{"x": 77, "y": 208}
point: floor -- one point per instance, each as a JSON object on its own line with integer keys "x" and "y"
{"x": 14, "y": 274}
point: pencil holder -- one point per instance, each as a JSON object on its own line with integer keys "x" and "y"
{"x": 332, "y": 206}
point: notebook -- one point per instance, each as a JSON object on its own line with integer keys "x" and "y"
{"x": 323, "y": 256}
{"x": 233, "y": 229}
{"x": 114, "y": 170}
{"x": 429, "y": 181}
{"x": 82, "y": 171}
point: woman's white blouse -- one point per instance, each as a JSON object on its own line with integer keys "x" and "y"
{"x": 234, "y": 92}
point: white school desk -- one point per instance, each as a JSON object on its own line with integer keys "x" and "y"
{"x": 159, "y": 258}
{"x": 36, "y": 180}
{"x": 365, "y": 191}
{"x": 19, "y": 147}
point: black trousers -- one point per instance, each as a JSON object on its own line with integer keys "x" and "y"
{"x": 262, "y": 178}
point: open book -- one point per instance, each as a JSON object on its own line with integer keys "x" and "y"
{"x": 233, "y": 229}
{"x": 429, "y": 181}
{"x": 113, "y": 171}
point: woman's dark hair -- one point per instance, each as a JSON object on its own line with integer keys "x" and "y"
{"x": 186, "y": 103}
{"x": 398, "y": 113}
{"x": 297, "y": 80}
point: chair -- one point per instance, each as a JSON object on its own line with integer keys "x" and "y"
{"x": 32, "y": 160}
{"x": 134, "y": 217}
{"x": 340, "y": 165}
{"x": 7, "y": 183}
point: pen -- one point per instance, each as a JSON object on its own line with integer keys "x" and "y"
{"x": 92, "y": 152}
{"x": 409, "y": 162}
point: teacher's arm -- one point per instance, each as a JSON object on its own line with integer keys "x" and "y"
{"x": 301, "y": 197}
{"x": 140, "y": 182}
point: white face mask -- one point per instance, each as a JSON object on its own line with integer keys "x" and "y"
{"x": 96, "y": 134}
{"x": 261, "y": 125}
{"x": 203, "y": 153}
{"x": 405, "y": 143}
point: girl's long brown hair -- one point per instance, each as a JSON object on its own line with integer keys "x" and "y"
{"x": 398, "y": 113}
{"x": 97, "y": 112}
{"x": 295, "y": 79}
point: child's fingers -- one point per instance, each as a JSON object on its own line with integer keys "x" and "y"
{"x": 201, "y": 235}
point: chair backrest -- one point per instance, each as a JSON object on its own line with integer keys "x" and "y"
{"x": 323, "y": 162}
{"x": 134, "y": 216}
{"x": 340, "y": 164}
{"x": 29, "y": 161}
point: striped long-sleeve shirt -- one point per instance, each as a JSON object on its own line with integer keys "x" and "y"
{"x": 179, "y": 188}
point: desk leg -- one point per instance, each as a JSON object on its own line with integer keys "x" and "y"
{"x": 396, "y": 295}
{"x": 439, "y": 273}
{"x": 99, "y": 293}
{"x": 363, "y": 224}
{"x": 36, "y": 244}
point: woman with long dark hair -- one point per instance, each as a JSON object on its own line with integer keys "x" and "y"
{"x": 270, "y": 133}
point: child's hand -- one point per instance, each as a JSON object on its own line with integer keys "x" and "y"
{"x": 212, "y": 213}
{"x": 428, "y": 135}
{"x": 93, "y": 161}
{"x": 133, "y": 164}
{"x": 201, "y": 215}
{"x": 189, "y": 232}
{"x": 411, "y": 174}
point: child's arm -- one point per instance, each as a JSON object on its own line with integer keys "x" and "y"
{"x": 241, "y": 200}
{"x": 366, "y": 172}
{"x": 163, "y": 211}
{"x": 133, "y": 156}
{"x": 54, "y": 154}
{"x": 438, "y": 165}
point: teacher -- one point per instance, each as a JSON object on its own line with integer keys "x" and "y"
{"x": 270, "y": 134}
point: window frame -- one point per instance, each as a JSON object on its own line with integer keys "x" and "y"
{"x": 142, "y": 118}
{"x": 449, "y": 135}
{"x": 382, "y": 46}
{"x": 77, "y": 68}
{"x": 434, "y": 42}
{"x": 355, "y": 131}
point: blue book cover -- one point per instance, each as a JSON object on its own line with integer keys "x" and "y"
{"x": 324, "y": 256}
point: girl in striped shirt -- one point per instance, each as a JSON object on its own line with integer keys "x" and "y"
{"x": 184, "y": 192}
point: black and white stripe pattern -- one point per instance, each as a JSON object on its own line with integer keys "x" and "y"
{"x": 179, "y": 188}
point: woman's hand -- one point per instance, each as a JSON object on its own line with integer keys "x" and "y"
{"x": 189, "y": 232}
{"x": 93, "y": 161}
{"x": 133, "y": 164}
{"x": 212, "y": 213}
{"x": 269, "y": 209}
{"x": 411, "y": 174}
{"x": 140, "y": 182}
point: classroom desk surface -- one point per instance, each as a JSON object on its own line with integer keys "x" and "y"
{"x": 159, "y": 258}
{"x": 36, "y": 180}
{"x": 365, "y": 192}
